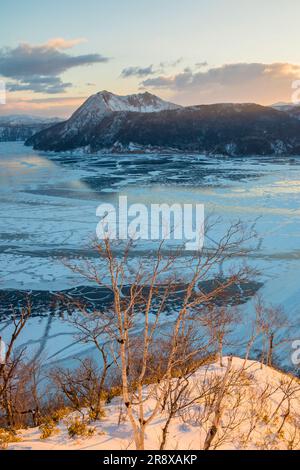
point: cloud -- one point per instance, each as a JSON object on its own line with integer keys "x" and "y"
{"x": 61, "y": 43}
{"x": 230, "y": 82}
{"x": 40, "y": 84}
{"x": 37, "y": 68}
{"x": 158, "y": 82}
{"x": 171, "y": 64}
{"x": 138, "y": 72}
{"x": 27, "y": 60}
{"x": 141, "y": 72}
{"x": 200, "y": 65}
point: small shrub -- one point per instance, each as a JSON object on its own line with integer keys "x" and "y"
{"x": 265, "y": 419}
{"x": 93, "y": 415}
{"x": 114, "y": 392}
{"x": 7, "y": 437}
{"x": 48, "y": 429}
{"x": 79, "y": 428}
{"x": 60, "y": 414}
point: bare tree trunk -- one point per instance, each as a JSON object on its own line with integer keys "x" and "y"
{"x": 217, "y": 413}
{"x": 221, "y": 352}
{"x": 106, "y": 367}
{"x": 165, "y": 432}
{"x": 8, "y": 410}
{"x": 270, "y": 351}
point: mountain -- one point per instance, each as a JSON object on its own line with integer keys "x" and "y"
{"x": 78, "y": 130}
{"x": 104, "y": 103}
{"x": 20, "y": 127}
{"x": 146, "y": 123}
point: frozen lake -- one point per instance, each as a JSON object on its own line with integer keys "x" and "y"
{"x": 48, "y": 212}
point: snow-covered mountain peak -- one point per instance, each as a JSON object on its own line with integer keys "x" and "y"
{"x": 105, "y": 102}
{"x": 142, "y": 102}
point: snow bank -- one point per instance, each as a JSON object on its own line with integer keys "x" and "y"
{"x": 261, "y": 410}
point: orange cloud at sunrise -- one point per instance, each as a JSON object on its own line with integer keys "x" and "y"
{"x": 60, "y": 107}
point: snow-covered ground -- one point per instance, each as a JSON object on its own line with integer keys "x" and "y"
{"x": 256, "y": 415}
{"x": 48, "y": 212}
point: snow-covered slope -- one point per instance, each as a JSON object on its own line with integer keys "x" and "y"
{"x": 104, "y": 102}
{"x": 141, "y": 103}
{"x": 260, "y": 410}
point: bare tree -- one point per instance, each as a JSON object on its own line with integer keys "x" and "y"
{"x": 271, "y": 323}
{"x": 93, "y": 329}
{"x": 83, "y": 387}
{"x": 142, "y": 291}
{"x": 220, "y": 322}
{"x": 10, "y": 366}
{"x": 218, "y": 407}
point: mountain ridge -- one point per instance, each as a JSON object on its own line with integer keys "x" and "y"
{"x": 24, "y": 119}
{"x": 105, "y": 102}
{"x": 144, "y": 122}
{"x": 20, "y": 127}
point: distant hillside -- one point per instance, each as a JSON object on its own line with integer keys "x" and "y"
{"x": 288, "y": 108}
{"x": 21, "y": 127}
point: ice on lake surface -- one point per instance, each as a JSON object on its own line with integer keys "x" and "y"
{"x": 48, "y": 212}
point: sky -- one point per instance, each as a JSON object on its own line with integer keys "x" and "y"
{"x": 54, "y": 54}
